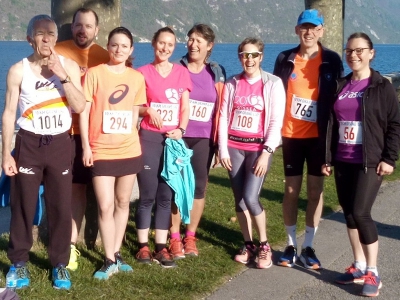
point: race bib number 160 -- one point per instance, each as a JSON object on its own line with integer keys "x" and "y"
{"x": 117, "y": 121}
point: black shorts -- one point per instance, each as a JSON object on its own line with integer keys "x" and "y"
{"x": 296, "y": 151}
{"x": 117, "y": 167}
{"x": 80, "y": 173}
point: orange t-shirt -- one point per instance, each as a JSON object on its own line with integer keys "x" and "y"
{"x": 112, "y": 131}
{"x": 300, "y": 119}
{"x": 85, "y": 58}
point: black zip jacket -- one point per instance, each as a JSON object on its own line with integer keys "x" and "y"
{"x": 380, "y": 117}
{"x": 330, "y": 70}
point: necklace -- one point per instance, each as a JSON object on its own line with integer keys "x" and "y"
{"x": 352, "y": 81}
{"x": 164, "y": 71}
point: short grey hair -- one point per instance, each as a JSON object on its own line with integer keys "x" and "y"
{"x": 34, "y": 20}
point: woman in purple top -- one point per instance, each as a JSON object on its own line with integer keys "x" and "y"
{"x": 208, "y": 79}
{"x": 362, "y": 143}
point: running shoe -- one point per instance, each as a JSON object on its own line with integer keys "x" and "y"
{"x": 144, "y": 255}
{"x": 245, "y": 254}
{"x": 289, "y": 257}
{"x": 176, "y": 249}
{"x": 109, "y": 268}
{"x": 73, "y": 258}
{"x": 264, "y": 257}
{"x": 61, "y": 278}
{"x": 352, "y": 275}
{"x": 309, "y": 259}
{"x": 122, "y": 265}
{"x": 189, "y": 246}
{"x": 23, "y": 275}
{"x": 372, "y": 284}
{"x": 164, "y": 259}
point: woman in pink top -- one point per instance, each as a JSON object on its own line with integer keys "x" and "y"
{"x": 165, "y": 115}
{"x": 249, "y": 131}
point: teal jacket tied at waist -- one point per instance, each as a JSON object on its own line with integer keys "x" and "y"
{"x": 178, "y": 174}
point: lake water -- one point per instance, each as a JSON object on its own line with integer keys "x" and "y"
{"x": 387, "y": 58}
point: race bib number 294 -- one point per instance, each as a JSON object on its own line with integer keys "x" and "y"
{"x": 117, "y": 121}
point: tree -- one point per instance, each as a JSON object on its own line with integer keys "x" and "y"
{"x": 333, "y": 11}
{"x": 109, "y": 12}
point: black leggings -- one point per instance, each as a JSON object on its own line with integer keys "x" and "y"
{"x": 203, "y": 152}
{"x": 357, "y": 192}
{"x": 151, "y": 186}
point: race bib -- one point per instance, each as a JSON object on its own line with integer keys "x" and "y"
{"x": 350, "y": 132}
{"x": 51, "y": 120}
{"x": 117, "y": 121}
{"x": 246, "y": 120}
{"x": 200, "y": 110}
{"x": 304, "y": 109}
{"x": 169, "y": 112}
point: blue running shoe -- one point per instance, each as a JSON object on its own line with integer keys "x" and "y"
{"x": 372, "y": 284}
{"x": 289, "y": 257}
{"x": 122, "y": 265}
{"x": 23, "y": 275}
{"x": 309, "y": 259}
{"x": 109, "y": 268}
{"x": 352, "y": 275}
{"x": 61, "y": 278}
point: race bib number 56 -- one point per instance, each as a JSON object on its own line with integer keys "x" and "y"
{"x": 117, "y": 121}
{"x": 304, "y": 109}
{"x": 350, "y": 132}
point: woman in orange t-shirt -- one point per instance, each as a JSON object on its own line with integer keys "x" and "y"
{"x": 110, "y": 142}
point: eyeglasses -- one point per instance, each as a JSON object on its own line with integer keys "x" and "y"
{"x": 312, "y": 29}
{"x": 247, "y": 55}
{"x": 358, "y": 51}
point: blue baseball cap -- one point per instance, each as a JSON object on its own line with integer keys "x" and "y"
{"x": 312, "y": 16}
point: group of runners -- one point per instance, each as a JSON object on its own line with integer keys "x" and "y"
{"x": 79, "y": 107}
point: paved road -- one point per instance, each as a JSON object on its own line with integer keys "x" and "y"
{"x": 333, "y": 249}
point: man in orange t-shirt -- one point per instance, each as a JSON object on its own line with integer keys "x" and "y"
{"x": 86, "y": 53}
{"x": 309, "y": 73}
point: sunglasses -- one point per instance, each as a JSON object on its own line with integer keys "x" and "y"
{"x": 247, "y": 55}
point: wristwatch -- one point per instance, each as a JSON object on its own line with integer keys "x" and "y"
{"x": 182, "y": 130}
{"x": 268, "y": 149}
{"x": 66, "y": 80}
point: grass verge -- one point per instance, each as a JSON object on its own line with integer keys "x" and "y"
{"x": 219, "y": 238}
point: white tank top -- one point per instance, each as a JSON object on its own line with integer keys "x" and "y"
{"x": 42, "y": 103}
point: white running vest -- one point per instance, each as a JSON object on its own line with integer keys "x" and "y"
{"x": 42, "y": 103}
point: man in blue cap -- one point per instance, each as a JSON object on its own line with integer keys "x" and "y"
{"x": 309, "y": 73}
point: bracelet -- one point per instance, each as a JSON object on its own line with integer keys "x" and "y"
{"x": 182, "y": 130}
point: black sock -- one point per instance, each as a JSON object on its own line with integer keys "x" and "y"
{"x": 249, "y": 244}
{"x": 141, "y": 245}
{"x": 159, "y": 247}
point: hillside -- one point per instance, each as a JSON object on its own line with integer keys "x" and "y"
{"x": 232, "y": 20}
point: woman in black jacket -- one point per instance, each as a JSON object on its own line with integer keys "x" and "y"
{"x": 362, "y": 143}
